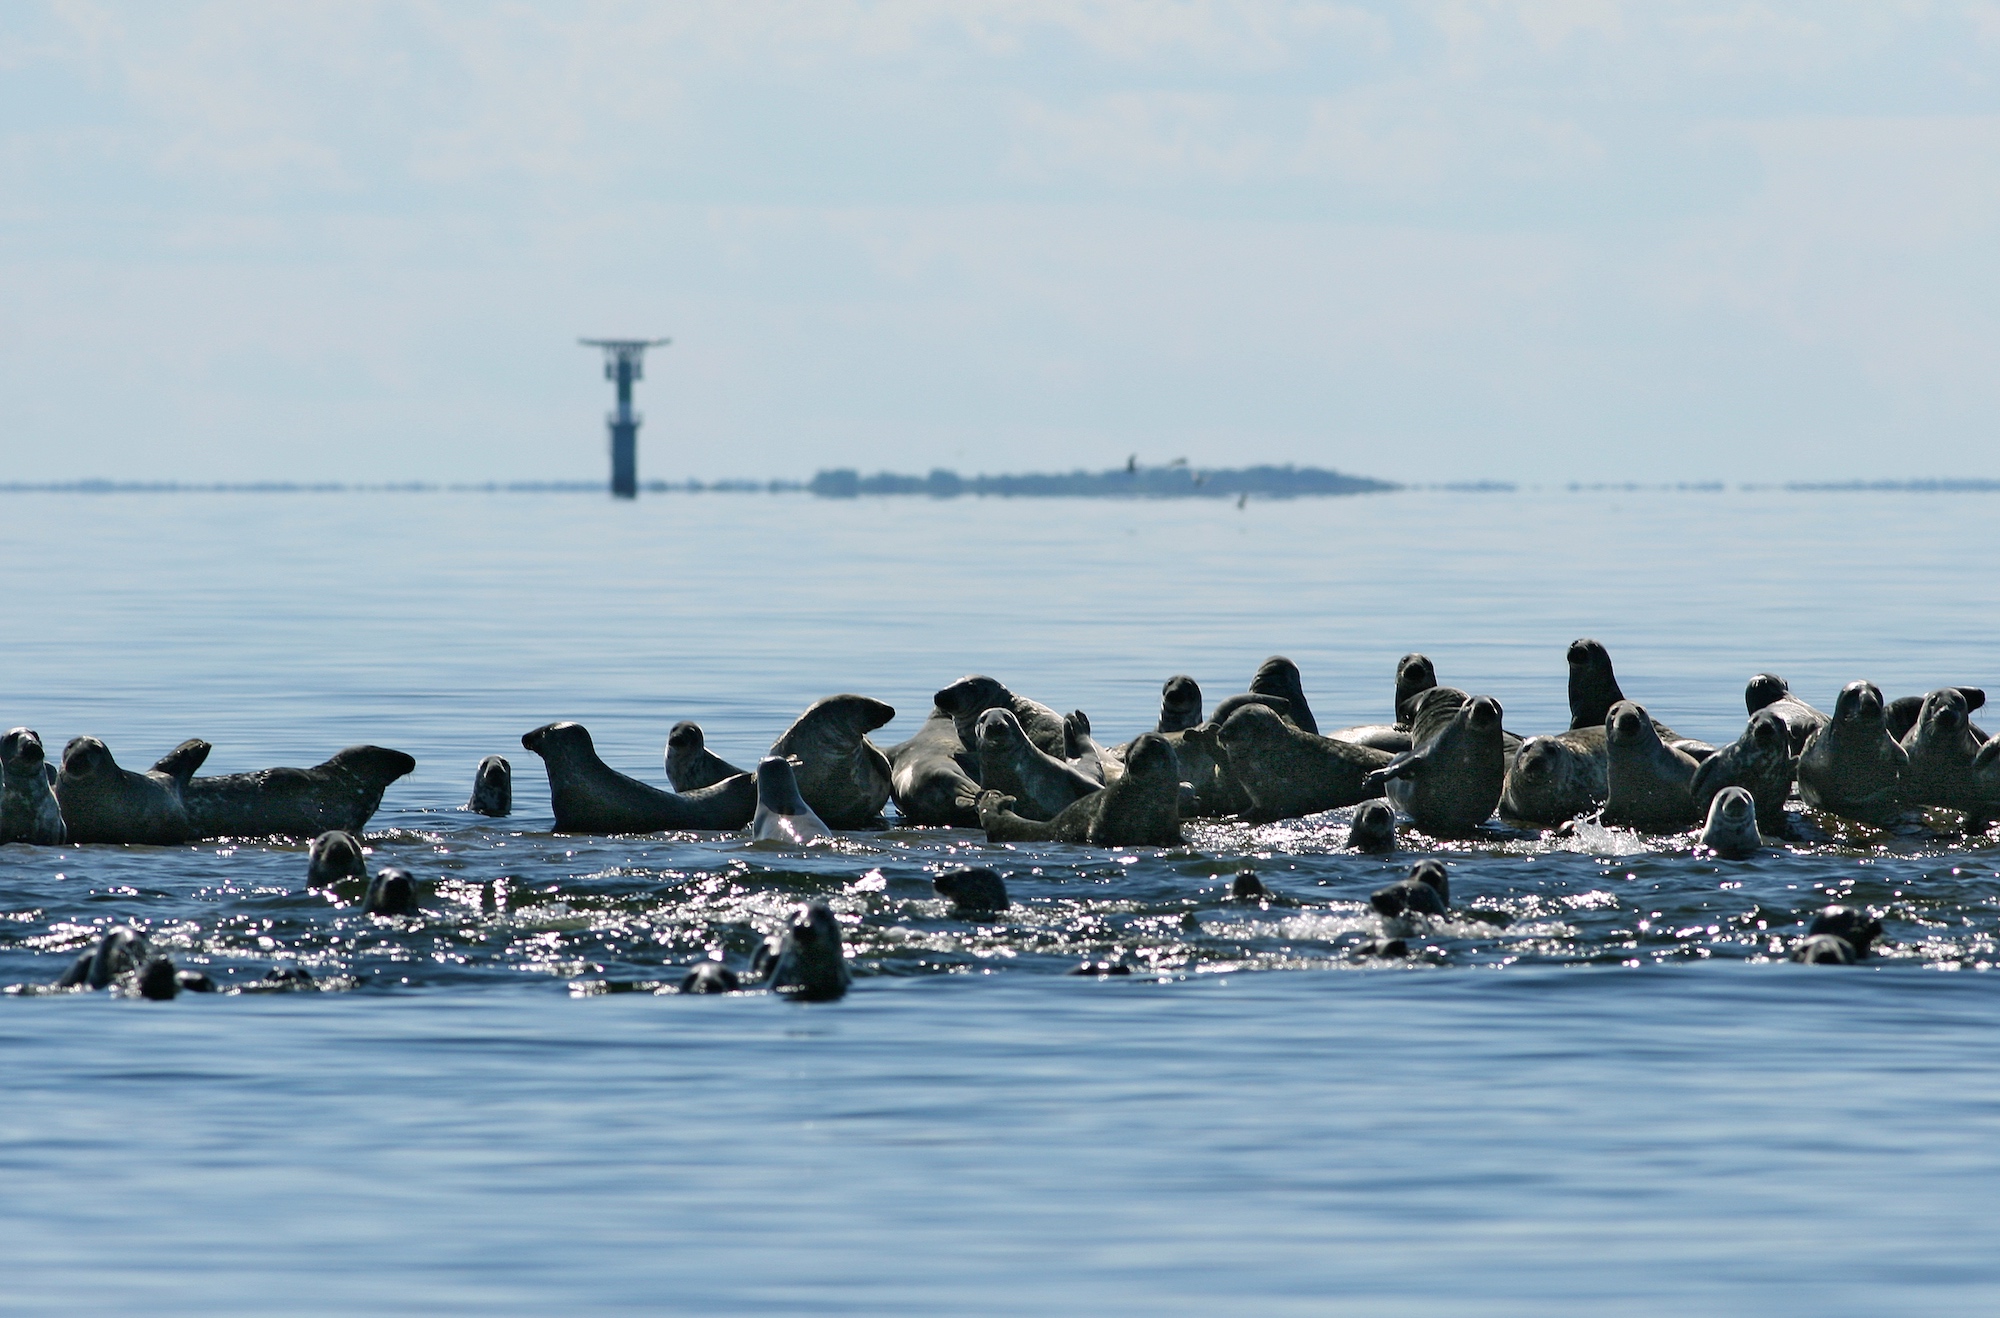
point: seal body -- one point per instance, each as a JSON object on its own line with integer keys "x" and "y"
{"x": 1279, "y": 676}
{"x": 589, "y": 796}
{"x": 928, "y": 777}
{"x": 1593, "y": 690}
{"x": 1852, "y": 767}
{"x": 121, "y": 951}
{"x": 691, "y": 765}
{"x": 1450, "y": 783}
{"x": 29, "y": 811}
{"x": 841, "y": 774}
{"x": 1900, "y": 715}
{"x": 343, "y": 793}
{"x": 1427, "y": 891}
{"x": 1731, "y": 830}
{"x": 1010, "y": 764}
{"x": 1760, "y": 761}
{"x": 972, "y": 891}
{"x": 1141, "y": 809}
{"x": 969, "y": 697}
{"x": 1373, "y": 829}
{"x": 782, "y": 814}
{"x": 1769, "y": 691}
{"x": 1230, "y": 704}
{"x": 1287, "y": 772}
{"x": 1083, "y": 754}
{"x": 102, "y": 802}
{"x": 492, "y": 788}
{"x": 1209, "y": 788}
{"x": 1389, "y": 737}
{"x": 1180, "y": 704}
{"x": 1838, "y": 936}
{"x": 1648, "y": 783}
{"x": 806, "y": 961}
{"x": 1941, "y": 749}
{"x": 1554, "y": 779}
{"x": 333, "y": 856}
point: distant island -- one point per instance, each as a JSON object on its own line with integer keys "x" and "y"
{"x": 1132, "y": 481}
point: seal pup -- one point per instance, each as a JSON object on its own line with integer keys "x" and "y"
{"x": 1010, "y": 764}
{"x": 492, "y": 788}
{"x": 975, "y": 891}
{"x": 1180, "y": 704}
{"x": 1279, "y": 676}
{"x": 841, "y": 774}
{"x": 29, "y": 811}
{"x": 391, "y": 892}
{"x": 1941, "y": 749}
{"x": 1901, "y": 714}
{"x": 806, "y": 961}
{"x": 1838, "y": 936}
{"x": 589, "y": 796}
{"x": 1593, "y": 690}
{"x": 1647, "y": 782}
{"x": 969, "y": 697}
{"x": 709, "y": 977}
{"x": 1554, "y": 779}
{"x": 1760, "y": 761}
{"x": 1769, "y": 691}
{"x": 1141, "y": 809}
{"x": 691, "y": 765}
{"x": 1287, "y": 772}
{"x": 782, "y": 814}
{"x": 1731, "y": 831}
{"x": 102, "y": 802}
{"x": 1373, "y": 829}
{"x": 1852, "y": 766}
{"x": 1451, "y": 782}
{"x": 333, "y": 856}
{"x": 1426, "y": 891}
{"x": 341, "y": 792}
{"x": 931, "y": 775}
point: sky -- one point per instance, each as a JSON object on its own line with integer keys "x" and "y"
{"x": 1472, "y": 239}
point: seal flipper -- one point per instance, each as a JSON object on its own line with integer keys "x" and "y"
{"x": 182, "y": 761}
{"x": 1407, "y": 765}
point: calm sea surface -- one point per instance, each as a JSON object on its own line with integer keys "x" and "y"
{"x": 1598, "y": 1089}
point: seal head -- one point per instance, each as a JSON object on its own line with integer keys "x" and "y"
{"x": 492, "y": 788}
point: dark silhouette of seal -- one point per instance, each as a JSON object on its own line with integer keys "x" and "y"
{"x": 1426, "y": 891}
{"x": 1085, "y": 755}
{"x": 1900, "y": 715}
{"x": 1415, "y": 675}
{"x": 1769, "y": 691}
{"x": 709, "y": 977}
{"x": 975, "y": 891}
{"x": 1141, "y": 809}
{"x": 782, "y": 813}
{"x": 1209, "y": 789}
{"x": 1648, "y": 784}
{"x": 103, "y": 803}
{"x": 1450, "y": 783}
{"x": 492, "y": 788}
{"x": 392, "y": 892}
{"x": 1180, "y": 704}
{"x": 806, "y": 961}
{"x": 1731, "y": 830}
{"x": 691, "y": 765}
{"x": 1941, "y": 749}
{"x": 1852, "y": 766}
{"x": 1287, "y": 772}
{"x": 1554, "y": 779}
{"x": 842, "y": 775}
{"x": 343, "y": 793}
{"x": 1373, "y": 829}
{"x": 1229, "y": 705}
{"x": 29, "y": 811}
{"x": 119, "y": 952}
{"x": 1838, "y": 936}
{"x": 1279, "y": 676}
{"x": 1983, "y": 805}
{"x": 1010, "y": 764}
{"x": 969, "y": 697}
{"x": 931, "y": 776}
{"x": 1247, "y": 887}
{"x": 333, "y": 856}
{"x": 589, "y": 796}
{"x": 1761, "y": 762}
{"x": 1593, "y": 690}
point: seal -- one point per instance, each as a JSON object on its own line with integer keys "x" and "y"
{"x": 806, "y": 961}
{"x": 29, "y": 811}
{"x": 1853, "y": 767}
{"x": 709, "y": 977}
{"x": 1769, "y": 691}
{"x": 976, "y": 891}
{"x": 1287, "y": 772}
{"x": 1761, "y": 762}
{"x": 930, "y": 776}
{"x": 1450, "y": 783}
{"x": 1279, "y": 676}
{"x": 392, "y": 892}
{"x": 1373, "y": 829}
{"x": 589, "y": 796}
{"x": 969, "y": 697}
{"x": 1554, "y": 779}
{"x": 1647, "y": 782}
{"x": 1593, "y": 690}
{"x": 691, "y": 765}
{"x": 492, "y": 788}
{"x": 1427, "y": 891}
{"x": 1942, "y": 749}
{"x": 333, "y": 856}
{"x": 1901, "y": 714}
{"x": 782, "y": 814}
{"x": 1209, "y": 789}
{"x": 1010, "y": 764}
{"x": 343, "y": 792}
{"x": 119, "y": 952}
{"x": 1084, "y": 755}
{"x": 1983, "y": 807}
{"x": 841, "y": 774}
{"x": 1180, "y": 705}
{"x": 1838, "y": 936}
{"x": 103, "y": 803}
{"x": 1247, "y": 887}
{"x": 1141, "y": 809}
{"x": 1731, "y": 830}
{"x": 1276, "y": 704}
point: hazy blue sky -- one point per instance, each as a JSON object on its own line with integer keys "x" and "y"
{"x": 1574, "y": 239}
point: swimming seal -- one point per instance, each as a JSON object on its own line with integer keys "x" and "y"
{"x": 782, "y": 814}
{"x": 1141, "y": 809}
{"x": 392, "y": 892}
{"x": 1287, "y": 772}
{"x": 1838, "y": 936}
{"x": 1731, "y": 830}
{"x": 1010, "y": 764}
{"x": 343, "y": 792}
{"x": 1450, "y": 783}
{"x": 29, "y": 811}
{"x": 969, "y": 697}
{"x": 1247, "y": 887}
{"x": 1426, "y": 891}
{"x": 103, "y": 803}
{"x": 691, "y": 765}
{"x": 1760, "y": 761}
{"x": 1279, "y": 676}
{"x": 1554, "y": 779}
{"x": 709, "y": 977}
{"x": 1647, "y": 782}
{"x": 1769, "y": 691}
{"x": 975, "y": 891}
{"x": 1180, "y": 704}
{"x": 1941, "y": 749}
{"x": 1593, "y": 690}
{"x": 1373, "y": 829}
{"x": 1852, "y": 767}
{"x": 492, "y": 788}
{"x": 842, "y": 775}
{"x": 929, "y": 778}
{"x": 120, "y": 951}
{"x": 589, "y": 796}
{"x": 805, "y": 962}
{"x": 333, "y": 856}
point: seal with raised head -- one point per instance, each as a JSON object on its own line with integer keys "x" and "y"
{"x": 1593, "y": 690}
{"x": 1451, "y": 782}
{"x": 1279, "y": 676}
{"x": 1287, "y": 772}
{"x": 1852, "y": 766}
{"x": 842, "y": 775}
{"x": 1415, "y": 675}
{"x": 589, "y": 796}
{"x": 102, "y": 802}
{"x": 391, "y": 892}
{"x": 1010, "y": 764}
{"x": 492, "y": 788}
{"x": 1838, "y": 936}
{"x": 1426, "y": 891}
{"x": 806, "y": 961}
{"x": 782, "y": 814}
{"x": 1141, "y": 809}
{"x": 969, "y": 697}
{"x": 334, "y": 855}
{"x": 343, "y": 792}
{"x": 1180, "y": 704}
{"x": 930, "y": 775}
{"x": 1554, "y": 779}
{"x": 1941, "y": 748}
{"x": 1900, "y": 715}
{"x": 1373, "y": 828}
{"x": 1761, "y": 762}
{"x": 1731, "y": 830}
{"x": 29, "y": 811}
{"x": 709, "y": 977}
{"x": 1769, "y": 691}
{"x": 1648, "y": 784}
{"x": 691, "y": 765}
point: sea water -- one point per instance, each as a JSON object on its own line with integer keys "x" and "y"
{"x": 1600, "y": 1086}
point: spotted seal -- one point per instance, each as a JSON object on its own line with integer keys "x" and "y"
{"x": 391, "y": 892}
{"x": 1279, "y": 676}
{"x": 1761, "y": 762}
{"x": 1287, "y": 772}
{"x": 29, "y": 811}
{"x": 1647, "y": 782}
{"x": 931, "y": 775}
{"x": 1010, "y": 764}
{"x": 1900, "y": 715}
{"x": 691, "y": 765}
{"x": 1141, "y": 809}
{"x": 1769, "y": 691}
{"x": 1373, "y": 828}
{"x": 102, "y": 802}
{"x": 1180, "y": 704}
{"x": 969, "y": 697}
{"x": 334, "y": 855}
{"x": 1731, "y": 830}
{"x": 589, "y": 796}
{"x": 1941, "y": 750}
{"x": 1554, "y": 779}
{"x": 1852, "y": 766}
{"x": 782, "y": 813}
{"x": 842, "y": 775}
{"x": 805, "y": 961}
{"x": 492, "y": 788}
{"x": 1593, "y": 690}
{"x": 342, "y": 792}
{"x": 1450, "y": 783}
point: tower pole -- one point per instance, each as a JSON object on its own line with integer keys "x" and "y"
{"x": 624, "y": 362}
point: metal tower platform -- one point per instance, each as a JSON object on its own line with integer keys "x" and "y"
{"x": 624, "y": 362}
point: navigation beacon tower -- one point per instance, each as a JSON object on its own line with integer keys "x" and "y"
{"x": 624, "y": 361}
